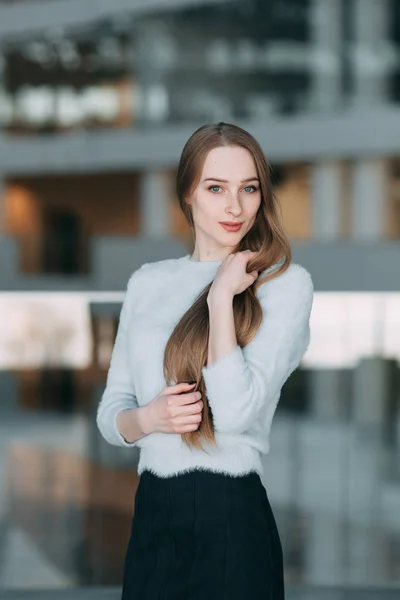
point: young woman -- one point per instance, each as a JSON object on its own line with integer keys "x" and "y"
{"x": 204, "y": 344}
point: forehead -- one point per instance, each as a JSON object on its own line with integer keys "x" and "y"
{"x": 229, "y": 162}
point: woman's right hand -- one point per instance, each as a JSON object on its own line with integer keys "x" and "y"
{"x": 175, "y": 410}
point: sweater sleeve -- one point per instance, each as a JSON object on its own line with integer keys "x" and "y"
{"x": 240, "y": 383}
{"x": 119, "y": 393}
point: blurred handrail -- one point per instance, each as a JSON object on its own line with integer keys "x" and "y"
{"x": 26, "y": 19}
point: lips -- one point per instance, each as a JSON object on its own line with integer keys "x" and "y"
{"x": 232, "y": 228}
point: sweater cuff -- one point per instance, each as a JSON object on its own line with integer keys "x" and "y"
{"x": 122, "y": 441}
{"x": 222, "y": 373}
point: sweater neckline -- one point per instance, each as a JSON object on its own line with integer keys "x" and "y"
{"x": 201, "y": 264}
{"x": 207, "y": 266}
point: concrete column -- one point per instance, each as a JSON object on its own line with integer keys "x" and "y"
{"x": 326, "y": 192}
{"x": 371, "y": 392}
{"x": 372, "y": 52}
{"x": 326, "y": 394}
{"x": 154, "y": 204}
{"x": 369, "y": 199}
{"x": 2, "y": 206}
{"x": 326, "y": 44}
{"x": 369, "y": 181}
{"x": 155, "y": 51}
{"x": 9, "y": 394}
{"x": 323, "y": 549}
{"x": 366, "y": 462}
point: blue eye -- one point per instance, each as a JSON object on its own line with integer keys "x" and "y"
{"x": 251, "y": 187}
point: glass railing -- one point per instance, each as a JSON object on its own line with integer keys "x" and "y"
{"x": 332, "y": 476}
{"x": 67, "y": 496}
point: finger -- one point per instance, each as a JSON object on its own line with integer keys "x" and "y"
{"x": 183, "y": 410}
{"x": 188, "y": 398}
{"x": 187, "y": 419}
{"x": 249, "y": 254}
{"x": 191, "y": 409}
{"x": 180, "y": 387}
{"x": 189, "y": 428}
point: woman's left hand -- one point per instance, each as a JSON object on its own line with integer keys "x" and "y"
{"x": 231, "y": 277}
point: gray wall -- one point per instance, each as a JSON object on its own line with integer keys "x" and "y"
{"x": 334, "y": 265}
{"x": 372, "y": 132}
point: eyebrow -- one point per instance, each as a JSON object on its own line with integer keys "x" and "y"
{"x": 226, "y": 181}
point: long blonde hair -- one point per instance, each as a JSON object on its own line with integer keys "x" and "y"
{"x": 187, "y": 348}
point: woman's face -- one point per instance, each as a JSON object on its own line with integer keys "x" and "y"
{"x": 228, "y": 190}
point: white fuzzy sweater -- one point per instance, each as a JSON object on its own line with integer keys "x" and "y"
{"x": 243, "y": 386}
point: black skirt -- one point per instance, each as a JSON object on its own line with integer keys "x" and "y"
{"x": 203, "y": 535}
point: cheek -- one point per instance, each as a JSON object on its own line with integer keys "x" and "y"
{"x": 257, "y": 204}
{"x": 205, "y": 214}
{"x": 207, "y": 207}
{"x": 252, "y": 207}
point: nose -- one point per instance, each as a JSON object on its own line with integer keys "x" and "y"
{"x": 234, "y": 206}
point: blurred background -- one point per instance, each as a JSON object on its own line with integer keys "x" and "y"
{"x": 96, "y": 102}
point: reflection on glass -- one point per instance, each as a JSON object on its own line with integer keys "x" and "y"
{"x": 332, "y": 474}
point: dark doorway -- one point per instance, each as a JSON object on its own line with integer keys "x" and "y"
{"x": 63, "y": 249}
